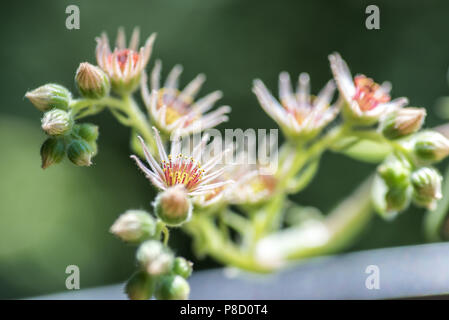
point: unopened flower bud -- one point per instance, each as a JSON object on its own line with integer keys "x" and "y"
{"x": 134, "y": 226}
{"x": 173, "y": 206}
{"x": 182, "y": 267}
{"x": 392, "y": 188}
{"x": 397, "y": 198}
{"x": 395, "y": 172}
{"x": 426, "y": 183}
{"x": 140, "y": 286}
{"x": 172, "y": 287}
{"x": 154, "y": 257}
{"x": 430, "y": 146}
{"x": 49, "y": 96}
{"x": 52, "y": 151}
{"x": 92, "y": 81}
{"x": 402, "y": 122}
{"x": 57, "y": 122}
{"x": 87, "y": 131}
{"x": 80, "y": 153}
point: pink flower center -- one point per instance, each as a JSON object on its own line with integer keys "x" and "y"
{"x": 368, "y": 93}
{"x": 182, "y": 171}
{"x": 122, "y": 57}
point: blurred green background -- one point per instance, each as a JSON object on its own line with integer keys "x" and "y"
{"x": 52, "y": 219}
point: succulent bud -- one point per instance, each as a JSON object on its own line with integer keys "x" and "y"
{"x": 80, "y": 153}
{"x": 430, "y": 146}
{"x": 87, "y": 131}
{"x": 172, "y": 287}
{"x": 392, "y": 189}
{"x": 92, "y": 82}
{"x": 154, "y": 257}
{"x": 173, "y": 206}
{"x": 388, "y": 201}
{"x": 52, "y": 151}
{"x": 140, "y": 286}
{"x": 134, "y": 226}
{"x": 182, "y": 267}
{"x": 395, "y": 172}
{"x": 426, "y": 183}
{"x": 402, "y": 122}
{"x": 49, "y": 96}
{"x": 397, "y": 198}
{"x": 57, "y": 122}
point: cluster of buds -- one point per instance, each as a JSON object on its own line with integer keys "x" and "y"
{"x": 160, "y": 273}
{"x": 400, "y": 182}
{"x": 77, "y": 141}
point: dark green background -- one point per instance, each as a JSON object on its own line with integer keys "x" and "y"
{"x": 52, "y": 219}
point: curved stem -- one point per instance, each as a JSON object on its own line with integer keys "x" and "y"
{"x": 222, "y": 249}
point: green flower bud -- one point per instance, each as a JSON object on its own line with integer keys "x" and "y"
{"x": 154, "y": 257}
{"x": 430, "y": 146}
{"x": 80, "y": 153}
{"x": 173, "y": 206}
{"x": 426, "y": 183}
{"x": 395, "y": 172}
{"x": 94, "y": 147}
{"x": 392, "y": 188}
{"x": 140, "y": 286}
{"x": 402, "y": 122}
{"x": 52, "y": 151}
{"x": 57, "y": 122}
{"x": 92, "y": 82}
{"x": 49, "y": 96}
{"x": 182, "y": 267}
{"x": 397, "y": 199}
{"x": 172, "y": 287}
{"x": 134, "y": 226}
{"x": 87, "y": 131}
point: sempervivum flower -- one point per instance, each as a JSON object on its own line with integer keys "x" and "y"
{"x": 251, "y": 187}
{"x": 298, "y": 113}
{"x": 364, "y": 99}
{"x": 124, "y": 65}
{"x": 176, "y": 169}
{"x": 174, "y": 110}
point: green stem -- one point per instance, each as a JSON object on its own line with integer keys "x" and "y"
{"x": 221, "y": 248}
{"x": 125, "y": 110}
{"x": 334, "y": 233}
{"x": 269, "y": 218}
{"x": 139, "y": 121}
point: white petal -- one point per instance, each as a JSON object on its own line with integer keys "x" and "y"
{"x": 172, "y": 78}
{"x": 134, "y": 42}
{"x": 155, "y": 75}
{"x": 342, "y": 76}
{"x": 160, "y": 146}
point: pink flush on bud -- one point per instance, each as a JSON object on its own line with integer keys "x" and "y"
{"x": 368, "y": 93}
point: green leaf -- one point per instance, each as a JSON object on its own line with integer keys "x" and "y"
{"x": 365, "y": 150}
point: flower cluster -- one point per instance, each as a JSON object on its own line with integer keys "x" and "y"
{"x": 65, "y": 137}
{"x": 204, "y": 191}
